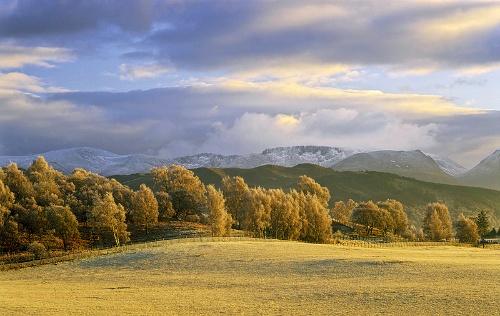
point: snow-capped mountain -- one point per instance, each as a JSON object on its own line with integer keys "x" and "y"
{"x": 408, "y": 163}
{"x": 485, "y": 174}
{"x": 449, "y": 166}
{"x": 107, "y": 163}
{"x": 414, "y": 164}
{"x": 91, "y": 159}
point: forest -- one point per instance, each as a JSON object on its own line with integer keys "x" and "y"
{"x": 43, "y": 209}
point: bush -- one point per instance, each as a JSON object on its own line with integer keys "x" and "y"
{"x": 38, "y": 250}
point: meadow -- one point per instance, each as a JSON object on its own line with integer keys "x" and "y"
{"x": 261, "y": 278}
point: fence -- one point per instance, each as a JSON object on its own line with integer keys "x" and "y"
{"x": 343, "y": 240}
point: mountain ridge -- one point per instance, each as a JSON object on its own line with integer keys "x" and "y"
{"x": 108, "y": 164}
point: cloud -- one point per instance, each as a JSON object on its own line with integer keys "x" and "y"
{"x": 143, "y": 71}
{"x": 14, "y": 56}
{"x": 14, "y": 82}
{"x": 343, "y": 127}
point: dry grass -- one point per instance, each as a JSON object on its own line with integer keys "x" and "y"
{"x": 261, "y": 278}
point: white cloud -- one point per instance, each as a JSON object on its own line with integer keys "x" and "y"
{"x": 153, "y": 70}
{"x": 14, "y": 82}
{"x": 13, "y": 56}
{"x": 253, "y": 132}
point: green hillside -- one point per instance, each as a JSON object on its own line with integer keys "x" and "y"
{"x": 359, "y": 186}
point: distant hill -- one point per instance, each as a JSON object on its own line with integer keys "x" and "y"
{"x": 359, "y": 186}
{"x": 485, "y": 174}
{"x": 406, "y": 163}
{"x": 414, "y": 164}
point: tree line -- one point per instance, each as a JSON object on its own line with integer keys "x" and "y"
{"x": 41, "y": 206}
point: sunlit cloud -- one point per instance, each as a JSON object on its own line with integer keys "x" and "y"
{"x": 12, "y": 56}
{"x": 14, "y": 82}
{"x": 132, "y": 72}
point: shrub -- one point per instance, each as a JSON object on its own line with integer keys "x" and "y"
{"x": 38, "y": 250}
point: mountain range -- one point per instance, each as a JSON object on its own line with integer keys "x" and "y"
{"x": 413, "y": 164}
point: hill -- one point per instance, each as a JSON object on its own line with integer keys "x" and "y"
{"x": 359, "y": 186}
{"x": 485, "y": 174}
{"x": 260, "y": 278}
{"x": 414, "y": 164}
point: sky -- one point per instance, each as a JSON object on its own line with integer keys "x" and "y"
{"x": 175, "y": 78}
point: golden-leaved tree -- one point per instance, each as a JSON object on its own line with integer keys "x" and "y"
{"x": 220, "y": 220}
{"x": 185, "y": 190}
{"x": 437, "y": 222}
{"x": 108, "y": 219}
{"x": 144, "y": 208}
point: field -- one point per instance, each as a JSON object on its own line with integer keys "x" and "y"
{"x": 261, "y": 278}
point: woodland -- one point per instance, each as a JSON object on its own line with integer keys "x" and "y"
{"x": 42, "y": 209}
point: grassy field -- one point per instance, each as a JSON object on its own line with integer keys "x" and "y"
{"x": 261, "y": 278}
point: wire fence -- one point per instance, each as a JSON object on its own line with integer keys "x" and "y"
{"x": 25, "y": 260}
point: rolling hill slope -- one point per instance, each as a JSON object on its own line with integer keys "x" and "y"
{"x": 414, "y": 164}
{"x": 485, "y": 174}
{"x": 359, "y": 186}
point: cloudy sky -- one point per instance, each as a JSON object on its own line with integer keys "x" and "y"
{"x": 175, "y": 77}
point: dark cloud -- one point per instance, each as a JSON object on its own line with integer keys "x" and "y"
{"x": 183, "y": 121}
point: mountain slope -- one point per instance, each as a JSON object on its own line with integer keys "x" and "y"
{"x": 413, "y": 164}
{"x": 359, "y": 186}
{"x": 485, "y": 174}
{"x": 106, "y": 163}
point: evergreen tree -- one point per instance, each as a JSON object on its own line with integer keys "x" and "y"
{"x": 483, "y": 223}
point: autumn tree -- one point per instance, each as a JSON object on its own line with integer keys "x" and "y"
{"x": 108, "y": 219}
{"x": 437, "y": 222}
{"x": 285, "y": 215}
{"x": 63, "y": 222}
{"x": 186, "y": 191}
{"x": 18, "y": 183}
{"x": 220, "y": 220}
{"x": 165, "y": 208}
{"x": 46, "y": 183}
{"x": 235, "y": 192}
{"x": 255, "y": 211}
{"x": 466, "y": 230}
{"x": 367, "y": 214}
{"x": 6, "y": 201}
{"x": 144, "y": 206}
{"x": 9, "y": 234}
{"x": 308, "y": 185}
{"x": 341, "y": 211}
{"x": 397, "y": 220}
{"x": 319, "y": 222}
{"x": 483, "y": 223}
